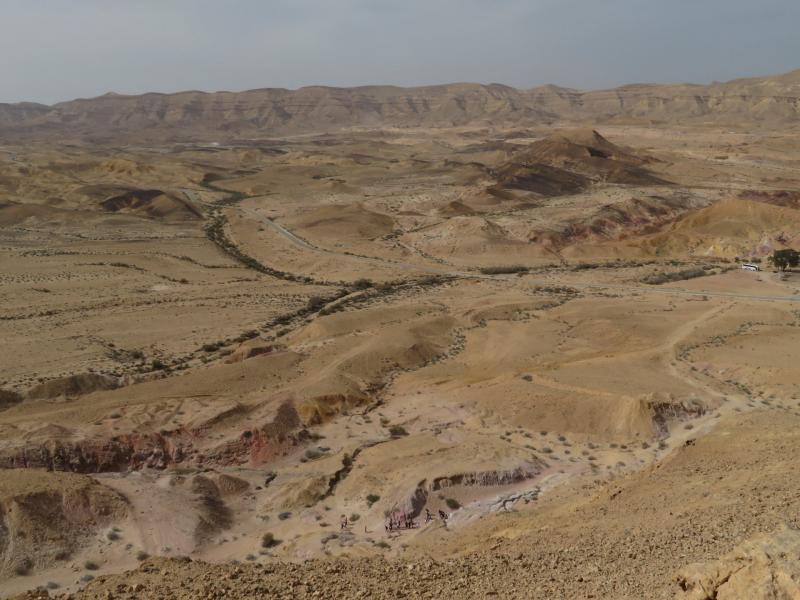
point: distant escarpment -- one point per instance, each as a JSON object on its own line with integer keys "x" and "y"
{"x": 195, "y": 114}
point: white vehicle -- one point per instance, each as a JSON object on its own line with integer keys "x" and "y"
{"x": 750, "y": 267}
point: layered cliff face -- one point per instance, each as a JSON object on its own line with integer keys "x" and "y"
{"x": 281, "y": 111}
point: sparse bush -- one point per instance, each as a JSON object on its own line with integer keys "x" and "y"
{"x": 354, "y": 517}
{"x": 659, "y": 278}
{"x": 90, "y": 565}
{"x": 362, "y": 284}
{"x": 316, "y": 302}
{"x": 504, "y": 270}
{"x": 23, "y": 567}
{"x": 142, "y": 555}
{"x": 9, "y": 398}
{"x": 383, "y": 544}
{"x": 372, "y": 499}
{"x": 397, "y": 431}
{"x": 312, "y": 454}
{"x": 284, "y": 515}
{"x": 268, "y": 540}
{"x": 452, "y": 504}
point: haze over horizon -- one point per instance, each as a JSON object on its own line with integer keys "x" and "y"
{"x": 89, "y": 48}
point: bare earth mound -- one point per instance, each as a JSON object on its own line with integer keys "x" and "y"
{"x": 45, "y": 517}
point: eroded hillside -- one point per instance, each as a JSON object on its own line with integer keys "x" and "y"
{"x": 273, "y": 350}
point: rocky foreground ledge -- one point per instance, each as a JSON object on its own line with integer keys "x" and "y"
{"x": 764, "y": 567}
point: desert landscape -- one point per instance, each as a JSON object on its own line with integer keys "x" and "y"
{"x": 449, "y": 341}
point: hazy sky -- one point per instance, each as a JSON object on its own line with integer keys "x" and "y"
{"x": 61, "y": 49}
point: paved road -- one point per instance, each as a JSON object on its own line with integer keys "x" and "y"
{"x": 627, "y": 289}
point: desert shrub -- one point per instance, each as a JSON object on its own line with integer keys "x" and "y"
{"x": 312, "y": 454}
{"x": 372, "y": 499}
{"x": 659, "y": 278}
{"x": 452, "y": 504}
{"x": 504, "y": 270}
{"x": 355, "y": 517}
{"x": 90, "y": 565}
{"x": 112, "y": 536}
{"x": 362, "y": 284}
{"x": 268, "y": 540}
{"x": 284, "y": 515}
{"x": 9, "y": 398}
{"x": 23, "y": 566}
{"x": 397, "y": 431}
{"x": 383, "y": 544}
{"x": 316, "y": 302}
{"x": 142, "y": 555}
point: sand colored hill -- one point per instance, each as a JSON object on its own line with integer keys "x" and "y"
{"x": 587, "y": 153}
{"x": 542, "y": 179}
{"x": 152, "y": 203}
{"x": 335, "y": 224}
{"x": 729, "y": 228}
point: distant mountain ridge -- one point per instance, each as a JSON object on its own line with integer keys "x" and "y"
{"x": 275, "y": 111}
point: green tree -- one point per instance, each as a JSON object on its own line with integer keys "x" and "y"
{"x": 784, "y": 259}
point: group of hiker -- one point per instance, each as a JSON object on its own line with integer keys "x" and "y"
{"x": 399, "y": 520}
